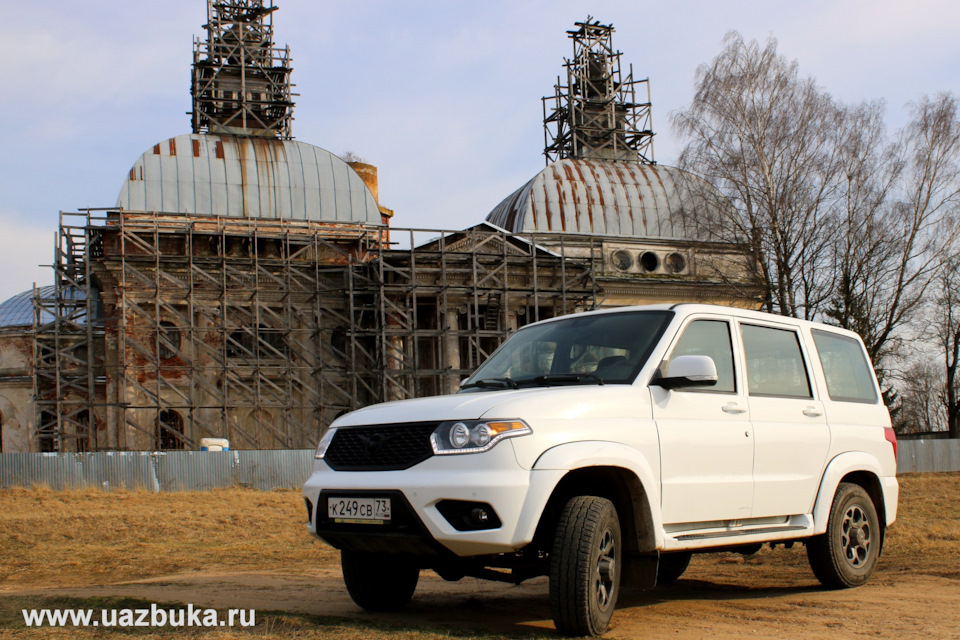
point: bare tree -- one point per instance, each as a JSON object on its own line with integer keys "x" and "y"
{"x": 844, "y": 224}
{"x": 921, "y": 410}
{"x": 904, "y": 231}
{"x": 867, "y": 253}
{"x": 946, "y": 320}
{"x": 350, "y": 156}
{"x": 767, "y": 139}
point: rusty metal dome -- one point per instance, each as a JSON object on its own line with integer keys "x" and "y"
{"x": 247, "y": 177}
{"x": 626, "y": 199}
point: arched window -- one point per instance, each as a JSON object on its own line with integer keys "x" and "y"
{"x": 170, "y": 430}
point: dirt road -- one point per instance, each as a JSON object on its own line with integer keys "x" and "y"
{"x": 771, "y": 595}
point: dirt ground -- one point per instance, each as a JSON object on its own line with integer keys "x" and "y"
{"x": 914, "y": 594}
{"x": 721, "y": 598}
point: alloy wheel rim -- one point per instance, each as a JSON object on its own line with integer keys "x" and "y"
{"x": 856, "y": 536}
{"x": 605, "y": 573}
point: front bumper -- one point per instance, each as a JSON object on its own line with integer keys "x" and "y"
{"x": 517, "y": 495}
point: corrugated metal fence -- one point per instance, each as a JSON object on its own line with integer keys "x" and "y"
{"x": 265, "y": 470}
{"x": 928, "y": 456}
{"x": 158, "y": 471}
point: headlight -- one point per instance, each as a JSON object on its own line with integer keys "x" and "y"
{"x": 324, "y": 444}
{"x": 474, "y": 436}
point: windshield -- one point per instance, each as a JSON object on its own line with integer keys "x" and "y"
{"x": 607, "y": 348}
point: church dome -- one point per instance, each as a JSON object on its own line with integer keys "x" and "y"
{"x": 595, "y": 197}
{"x": 19, "y": 311}
{"x": 247, "y": 177}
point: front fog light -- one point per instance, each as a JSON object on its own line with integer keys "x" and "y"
{"x": 474, "y": 436}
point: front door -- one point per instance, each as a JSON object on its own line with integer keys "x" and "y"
{"x": 706, "y": 438}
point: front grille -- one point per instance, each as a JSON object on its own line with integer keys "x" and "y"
{"x": 380, "y": 448}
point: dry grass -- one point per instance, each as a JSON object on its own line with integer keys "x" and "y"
{"x": 88, "y": 537}
{"x": 928, "y": 523}
{"x": 67, "y": 538}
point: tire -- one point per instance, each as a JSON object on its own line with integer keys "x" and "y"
{"x": 379, "y": 582}
{"x": 585, "y": 566}
{"x": 672, "y": 566}
{"x": 846, "y": 555}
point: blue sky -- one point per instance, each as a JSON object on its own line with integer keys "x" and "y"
{"x": 444, "y": 97}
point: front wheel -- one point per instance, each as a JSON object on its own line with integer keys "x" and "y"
{"x": 846, "y": 555}
{"x": 585, "y": 566}
{"x": 379, "y": 581}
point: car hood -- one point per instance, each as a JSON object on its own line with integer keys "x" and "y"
{"x": 559, "y": 401}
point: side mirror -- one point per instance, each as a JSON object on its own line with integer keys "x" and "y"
{"x": 688, "y": 371}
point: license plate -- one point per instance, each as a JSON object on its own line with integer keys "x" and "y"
{"x": 359, "y": 510}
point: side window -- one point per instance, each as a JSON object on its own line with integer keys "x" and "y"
{"x": 775, "y": 364}
{"x": 710, "y": 338}
{"x": 848, "y": 374}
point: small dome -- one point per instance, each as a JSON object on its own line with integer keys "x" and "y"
{"x": 245, "y": 177}
{"x": 18, "y": 310}
{"x": 608, "y": 198}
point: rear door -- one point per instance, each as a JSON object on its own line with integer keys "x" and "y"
{"x": 791, "y": 436}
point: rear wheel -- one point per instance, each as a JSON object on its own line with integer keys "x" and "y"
{"x": 585, "y": 566}
{"x": 846, "y": 555}
{"x": 672, "y": 566}
{"x": 379, "y": 582}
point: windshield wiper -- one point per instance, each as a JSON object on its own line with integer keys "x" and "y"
{"x": 562, "y": 378}
{"x": 485, "y": 383}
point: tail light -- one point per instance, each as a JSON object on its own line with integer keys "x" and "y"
{"x": 891, "y": 436}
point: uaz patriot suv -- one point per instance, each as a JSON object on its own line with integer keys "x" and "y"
{"x": 604, "y": 448}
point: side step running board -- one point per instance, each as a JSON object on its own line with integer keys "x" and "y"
{"x": 744, "y": 532}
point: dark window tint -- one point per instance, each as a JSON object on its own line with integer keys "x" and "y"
{"x": 710, "y": 338}
{"x": 775, "y": 364}
{"x": 845, "y": 366}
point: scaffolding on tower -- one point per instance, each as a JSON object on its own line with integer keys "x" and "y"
{"x": 596, "y": 115}
{"x": 241, "y": 81}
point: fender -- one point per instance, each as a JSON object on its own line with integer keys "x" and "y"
{"x": 597, "y": 453}
{"x": 839, "y": 467}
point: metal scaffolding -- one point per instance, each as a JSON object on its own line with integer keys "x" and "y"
{"x": 68, "y": 340}
{"x": 241, "y": 81}
{"x": 595, "y": 115}
{"x": 264, "y": 331}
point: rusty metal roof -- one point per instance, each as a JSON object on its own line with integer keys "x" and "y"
{"x": 245, "y": 177}
{"x": 593, "y": 197}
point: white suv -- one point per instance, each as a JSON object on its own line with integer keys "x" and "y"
{"x": 604, "y": 448}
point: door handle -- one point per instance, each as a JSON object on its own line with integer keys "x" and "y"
{"x": 812, "y": 412}
{"x": 733, "y": 407}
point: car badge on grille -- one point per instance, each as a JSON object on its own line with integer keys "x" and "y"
{"x": 375, "y": 442}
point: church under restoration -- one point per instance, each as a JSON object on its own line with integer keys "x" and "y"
{"x": 250, "y": 286}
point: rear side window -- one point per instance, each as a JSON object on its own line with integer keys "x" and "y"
{"x": 848, "y": 374}
{"x": 775, "y": 364}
